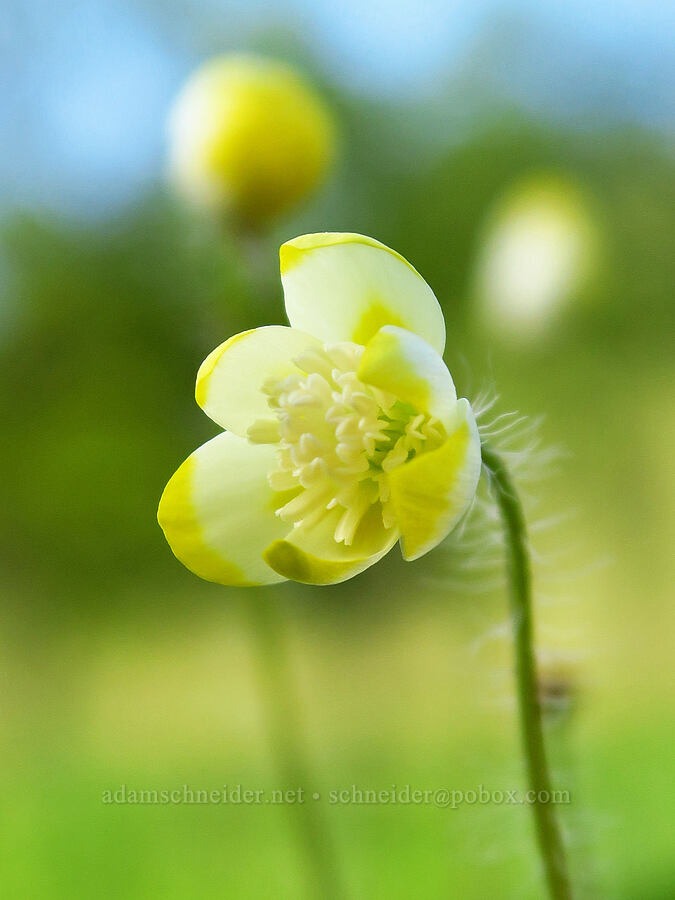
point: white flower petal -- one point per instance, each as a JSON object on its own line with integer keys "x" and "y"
{"x": 230, "y": 380}
{"x": 345, "y": 287}
{"x": 403, "y": 364}
{"x": 432, "y": 492}
{"x": 218, "y": 511}
{"x": 312, "y": 555}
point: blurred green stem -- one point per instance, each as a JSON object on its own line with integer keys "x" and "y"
{"x": 287, "y": 741}
{"x": 548, "y": 832}
{"x": 270, "y": 632}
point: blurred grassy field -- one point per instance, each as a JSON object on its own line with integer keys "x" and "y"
{"x": 120, "y": 668}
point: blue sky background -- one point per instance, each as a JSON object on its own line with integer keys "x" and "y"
{"x": 88, "y": 82}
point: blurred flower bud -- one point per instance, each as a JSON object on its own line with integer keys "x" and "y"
{"x": 248, "y": 137}
{"x": 539, "y": 251}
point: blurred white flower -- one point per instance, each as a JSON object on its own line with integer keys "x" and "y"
{"x": 538, "y": 253}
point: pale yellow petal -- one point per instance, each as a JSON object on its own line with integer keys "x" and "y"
{"x": 230, "y": 380}
{"x": 345, "y": 287}
{"x": 311, "y": 555}
{"x": 432, "y": 492}
{"x": 403, "y": 364}
{"x": 218, "y": 511}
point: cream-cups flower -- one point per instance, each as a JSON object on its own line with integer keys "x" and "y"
{"x": 343, "y": 435}
{"x": 248, "y": 136}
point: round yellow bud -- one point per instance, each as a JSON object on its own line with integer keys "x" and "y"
{"x": 248, "y": 136}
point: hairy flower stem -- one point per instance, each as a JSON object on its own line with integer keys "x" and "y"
{"x": 287, "y": 745}
{"x": 520, "y": 590}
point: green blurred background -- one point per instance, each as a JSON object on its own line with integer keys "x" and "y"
{"x": 121, "y": 668}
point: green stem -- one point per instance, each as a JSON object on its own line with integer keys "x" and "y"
{"x": 520, "y": 590}
{"x": 286, "y": 739}
{"x": 268, "y": 627}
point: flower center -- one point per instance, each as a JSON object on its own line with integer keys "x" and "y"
{"x": 338, "y": 439}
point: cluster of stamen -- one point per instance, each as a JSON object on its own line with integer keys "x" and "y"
{"x": 338, "y": 438}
